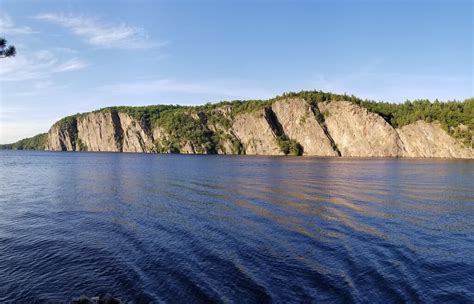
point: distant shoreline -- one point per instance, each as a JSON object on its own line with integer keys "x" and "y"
{"x": 309, "y": 123}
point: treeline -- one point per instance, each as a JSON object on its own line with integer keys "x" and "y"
{"x": 456, "y": 118}
{"x": 37, "y": 142}
{"x": 194, "y": 124}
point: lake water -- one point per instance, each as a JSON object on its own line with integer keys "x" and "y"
{"x": 176, "y": 228}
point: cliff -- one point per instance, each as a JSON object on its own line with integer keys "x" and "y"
{"x": 357, "y": 132}
{"x": 300, "y": 124}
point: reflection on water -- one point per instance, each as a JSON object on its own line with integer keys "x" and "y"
{"x": 215, "y": 228}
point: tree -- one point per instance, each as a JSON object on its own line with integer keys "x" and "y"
{"x": 6, "y": 51}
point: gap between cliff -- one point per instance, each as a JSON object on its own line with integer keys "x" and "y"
{"x": 320, "y": 119}
{"x": 118, "y": 130}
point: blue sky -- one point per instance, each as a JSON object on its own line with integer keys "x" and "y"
{"x": 76, "y": 56}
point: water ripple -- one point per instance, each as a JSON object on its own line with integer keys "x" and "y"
{"x": 171, "y": 228}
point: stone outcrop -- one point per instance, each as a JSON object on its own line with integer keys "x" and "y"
{"x": 299, "y": 122}
{"x": 357, "y": 132}
{"x": 100, "y": 132}
{"x": 135, "y": 139}
{"x": 256, "y": 134}
{"x": 60, "y": 139}
{"x": 336, "y": 128}
{"x": 422, "y": 139}
{"x": 106, "y": 131}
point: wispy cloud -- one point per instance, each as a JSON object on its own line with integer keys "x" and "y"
{"x": 70, "y": 65}
{"x": 38, "y": 65}
{"x": 102, "y": 34}
{"x": 65, "y": 50}
{"x": 8, "y": 27}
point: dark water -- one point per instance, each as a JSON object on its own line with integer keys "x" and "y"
{"x": 171, "y": 228}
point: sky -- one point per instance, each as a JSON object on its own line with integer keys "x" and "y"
{"x": 77, "y": 56}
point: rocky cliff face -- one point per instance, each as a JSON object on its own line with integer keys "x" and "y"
{"x": 423, "y": 139}
{"x": 60, "y": 139}
{"x": 327, "y": 129}
{"x": 257, "y": 133}
{"x": 298, "y": 120}
{"x": 357, "y": 132}
{"x": 100, "y": 132}
{"x": 134, "y": 137}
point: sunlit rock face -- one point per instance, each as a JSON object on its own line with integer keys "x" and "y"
{"x": 256, "y": 134}
{"x": 299, "y": 122}
{"x": 422, "y": 139}
{"x": 357, "y": 132}
{"x": 336, "y": 128}
{"x": 59, "y": 139}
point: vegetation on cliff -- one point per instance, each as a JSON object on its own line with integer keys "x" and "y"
{"x": 205, "y": 127}
{"x": 183, "y": 128}
{"x": 457, "y": 118}
{"x": 289, "y": 146}
{"x": 37, "y": 142}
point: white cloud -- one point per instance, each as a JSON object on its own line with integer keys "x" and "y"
{"x": 65, "y": 50}
{"x": 8, "y": 27}
{"x": 70, "y": 65}
{"x": 38, "y": 65}
{"x": 102, "y": 34}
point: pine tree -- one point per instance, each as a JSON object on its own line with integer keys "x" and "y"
{"x": 6, "y": 51}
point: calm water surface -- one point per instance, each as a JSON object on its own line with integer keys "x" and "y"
{"x": 175, "y": 228}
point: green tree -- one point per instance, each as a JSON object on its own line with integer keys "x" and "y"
{"x": 6, "y": 51}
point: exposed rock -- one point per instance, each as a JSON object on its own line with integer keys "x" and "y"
{"x": 135, "y": 138}
{"x": 299, "y": 123}
{"x": 357, "y": 132}
{"x": 423, "y": 139}
{"x": 326, "y": 130}
{"x": 256, "y": 134}
{"x": 188, "y": 148}
{"x": 225, "y": 133}
{"x": 60, "y": 139}
{"x": 159, "y": 136}
{"x": 100, "y": 131}
{"x": 461, "y": 130}
{"x": 225, "y": 147}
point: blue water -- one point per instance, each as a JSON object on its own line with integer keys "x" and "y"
{"x": 189, "y": 229}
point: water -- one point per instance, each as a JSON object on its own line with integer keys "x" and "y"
{"x": 175, "y": 228}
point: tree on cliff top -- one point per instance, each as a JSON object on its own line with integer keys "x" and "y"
{"x": 6, "y": 51}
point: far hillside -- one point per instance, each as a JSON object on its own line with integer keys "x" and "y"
{"x": 455, "y": 117}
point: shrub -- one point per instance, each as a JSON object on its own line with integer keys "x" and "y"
{"x": 289, "y": 146}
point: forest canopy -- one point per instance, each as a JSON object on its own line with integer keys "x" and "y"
{"x": 190, "y": 122}
{"x": 37, "y": 142}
